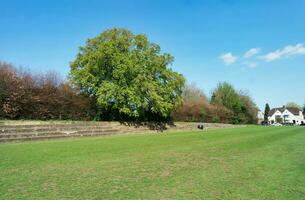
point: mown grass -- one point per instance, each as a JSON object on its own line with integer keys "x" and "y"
{"x": 243, "y": 163}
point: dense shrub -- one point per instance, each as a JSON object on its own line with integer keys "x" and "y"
{"x": 26, "y": 96}
{"x": 190, "y": 111}
{"x": 243, "y": 108}
{"x": 226, "y": 106}
{"x": 12, "y": 92}
{"x": 249, "y": 109}
{"x": 197, "y": 108}
{"x": 218, "y": 114}
{"x": 193, "y": 106}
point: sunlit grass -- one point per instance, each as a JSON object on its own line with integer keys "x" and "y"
{"x": 243, "y": 163}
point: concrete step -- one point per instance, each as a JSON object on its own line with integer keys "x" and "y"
{"x": 50, "y": 133}
{"x": 54, "y": 128}
{"x": 54, "y": 125}
{"x": 57, "y": 135}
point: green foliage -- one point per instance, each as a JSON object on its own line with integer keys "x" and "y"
{"x": 243, "y": 108}
{"x": 249, "y": 110}
{"x": 215, "y": 119}
{"x": 266, "y": 113}
{"x": 293, "y": 105}
{"x": 128, "y": 75}
{"x": 226, "y": 95}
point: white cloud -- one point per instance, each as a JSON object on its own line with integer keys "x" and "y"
{"x": 228, "y": 58}
{"x": 287, "y": 51}
{"x": 252, "y": 52}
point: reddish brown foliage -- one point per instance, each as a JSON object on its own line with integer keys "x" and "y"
{"x": 197, "y": 108}
{"x": 24, "y": 96}
{"x": 198, "y": 111}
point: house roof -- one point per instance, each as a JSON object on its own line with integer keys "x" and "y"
{"x": 294, "y": 111}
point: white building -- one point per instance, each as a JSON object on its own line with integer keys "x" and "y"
{"x": 286, "y": 115}
{"x": 260, "y": 117}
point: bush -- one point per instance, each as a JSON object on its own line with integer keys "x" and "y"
{"x": 44, "y": 96}
{"x": 196, "y": 108}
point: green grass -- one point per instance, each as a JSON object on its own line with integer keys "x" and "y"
{"x": 244, "y": 163}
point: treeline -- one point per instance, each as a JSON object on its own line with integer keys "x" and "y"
{"x": 24, "y": 95}
{"x": 226, "y": 105}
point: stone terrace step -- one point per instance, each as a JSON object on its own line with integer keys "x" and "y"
{"x": 55, "y": 125}
{"x": 51, "y": 133}
{"x": 54, "y": 128}
{"x": 13, "y": 132}
{"x": 54, "y": 136}
{"x": 18, "y": 137}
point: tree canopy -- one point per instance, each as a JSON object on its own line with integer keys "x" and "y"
{"x": 226, "y": 95}
{"x": 243, "y": 108}
{"x": 128, "y": 75}
{"x": 191, "y": 92}
{"x": 293, "y": 105}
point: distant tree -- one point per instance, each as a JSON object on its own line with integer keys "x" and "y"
{"x": 304, "y": 109}
{"x": 249, "y": 109}
{"x": 266, "y": 113}
{"x": 191, "y": 92}
{"x": 194, "y": 104}
{"x": 11, "y": 91}
{"x": 218, "y": 114}
{"x": 293, "y": 105}
{"x": 226, "y": 95}
{"x": 128, "y": 75}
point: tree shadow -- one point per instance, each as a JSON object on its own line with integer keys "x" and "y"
{"x": 156, "y": 126}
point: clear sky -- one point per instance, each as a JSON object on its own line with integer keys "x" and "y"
{"x": 257, "y": 45}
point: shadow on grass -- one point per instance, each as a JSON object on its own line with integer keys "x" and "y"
{"x": 156, "y": 126}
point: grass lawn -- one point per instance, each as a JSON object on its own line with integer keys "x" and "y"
{"x": 243, "y": 163}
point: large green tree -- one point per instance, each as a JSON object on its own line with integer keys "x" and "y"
{"x": 128, "y": 75}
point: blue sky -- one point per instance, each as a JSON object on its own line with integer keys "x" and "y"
{"x": 257, "y": 46}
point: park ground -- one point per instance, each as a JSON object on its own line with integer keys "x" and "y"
{"x": 243, "y": 163}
